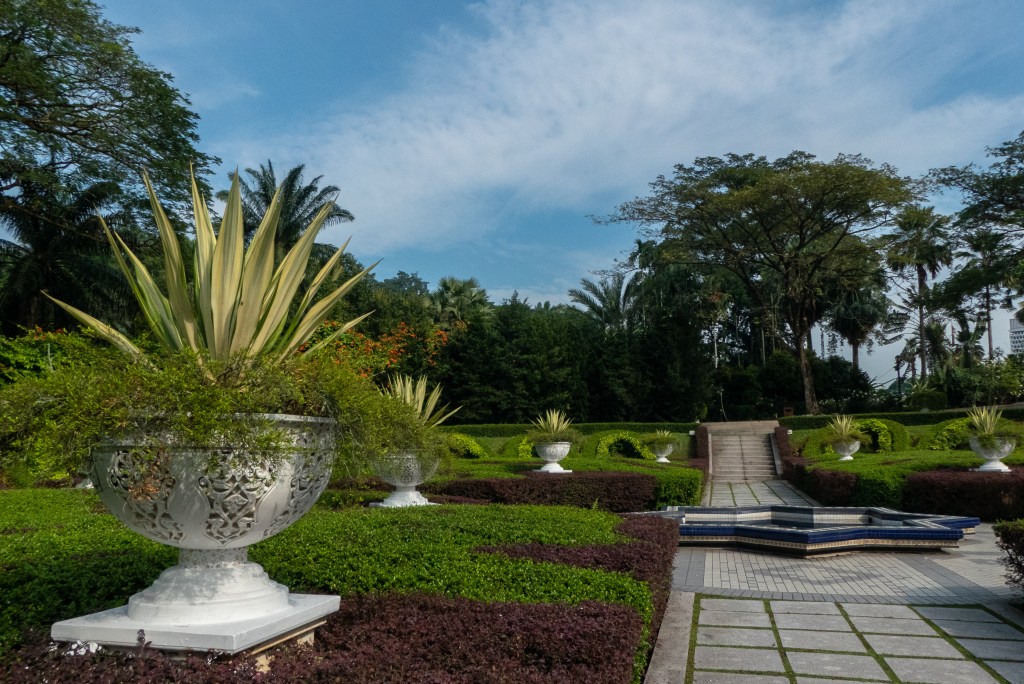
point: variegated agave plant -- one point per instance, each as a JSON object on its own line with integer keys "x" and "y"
{"x": 413, "y": 391}
{"x": 237, "y": 304}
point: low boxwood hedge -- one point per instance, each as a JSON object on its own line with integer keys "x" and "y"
{"x": 519, "y": 429}
{"x": 903, "y": 418}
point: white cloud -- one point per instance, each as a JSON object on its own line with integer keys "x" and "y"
{"x": 560, "y": 105}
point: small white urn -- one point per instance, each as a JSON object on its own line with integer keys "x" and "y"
{"x": 662, "y": 453}
{"x": 551, "y": 453}
{"x": 405, "y": 470}
{"x": 846, "y": 450}
{"x": 993, "y": 455}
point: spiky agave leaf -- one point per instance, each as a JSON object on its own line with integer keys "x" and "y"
{"x": 239, "y": 303}
{"x": 414, "y": 393}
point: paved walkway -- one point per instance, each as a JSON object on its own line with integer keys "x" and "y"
{"x": 937, "y": 617}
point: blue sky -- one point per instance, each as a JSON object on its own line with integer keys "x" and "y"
{"x": 475, "y": 138}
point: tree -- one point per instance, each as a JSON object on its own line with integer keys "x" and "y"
{"x": 59, "y": 247}
{"x": 301, "y": 201}
{"x": 77, "y": 105}
{"x": 857, "y": 315}
{"x": 994, "y": 195}
{"x": 788, "y": 223}
{"x": 457, "y": 301}
{"x": 987, "y": 266}
{"x": 609, "y": 302}
{"x": 920, "y": 244}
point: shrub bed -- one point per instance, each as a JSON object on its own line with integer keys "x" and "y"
{"x": 464, "y": 446}
{"x": 989, "y": 496}
{"x": 903, "y": 418}
{"x": 416, "y": 638}
{"x": 647, "y": 559}
{"x": 613, "y": 491}
{"x": 628, "y": 444}
{"x": 515, "y": 430}
{"x": 1010, "y": 537}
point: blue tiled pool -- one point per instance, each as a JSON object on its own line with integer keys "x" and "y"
{"x": 805, "y": 530}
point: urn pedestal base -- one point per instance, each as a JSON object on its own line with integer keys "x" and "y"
{"x": 115, "y": 629}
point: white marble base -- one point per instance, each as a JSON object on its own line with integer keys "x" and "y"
{"x": 662, "y": 459}
{"x": 115, "y": 629}
{"x": 553, "y": 468}
{"x": 403, "y": 497}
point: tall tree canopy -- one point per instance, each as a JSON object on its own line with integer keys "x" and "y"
{"x": 787, "y": 228}
{"x": 77, "y": 103}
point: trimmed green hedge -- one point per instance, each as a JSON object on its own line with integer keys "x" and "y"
{"x": 464, "y": 446}
{"x": 515, "y": 430}
{"x": 903, "y": 418}
{"x": 629, "y": 444}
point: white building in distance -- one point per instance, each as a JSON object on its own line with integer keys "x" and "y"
{"x": 1016, "y": 336}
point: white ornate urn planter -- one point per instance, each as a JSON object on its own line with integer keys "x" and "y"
{"x": 405, "y": 471}
{"x": 993, "y": 455}
{"x": 846, "y": 450}
{"x": 551, "y": 453}
{"x": 662, "y": 453}
{"x": 212, "y": 510}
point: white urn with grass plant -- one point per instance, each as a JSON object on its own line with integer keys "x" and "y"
{"x": 992, "y": 438}
{"x": 552, "y": 439}
{"x": 844, "y": 436}
{"x": 405, "y": 470}
{"x": 219, "y": 435}
{"x": 662, "y": 443}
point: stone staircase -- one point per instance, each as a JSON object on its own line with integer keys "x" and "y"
{"x": 742, "y": 452}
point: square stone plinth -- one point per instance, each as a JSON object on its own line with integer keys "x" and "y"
{"x": 114, "y": 629}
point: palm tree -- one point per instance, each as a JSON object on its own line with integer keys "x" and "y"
{"x": 610, "y": 302}
{"x": 857, "y": 315}
{"x": 989, "y": 263}
{"x": 457, "y": 301}
{"x": 58, "y": 246}
{"x": 300, "y": 202}
{"x": 920, "y": 244}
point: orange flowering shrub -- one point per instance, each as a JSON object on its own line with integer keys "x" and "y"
{"x": 370, "y": 357}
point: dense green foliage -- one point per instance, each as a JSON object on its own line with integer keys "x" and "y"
{"x": 79, "y": 106}
{"x": 50, "y": 421}
{"x": 60, "y": 556}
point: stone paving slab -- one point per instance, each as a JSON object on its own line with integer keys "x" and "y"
{"x": 1014, "y": 672}
{"x": 735, "y": 678}
{"x": 805, "y": 607}
{"x": 875, "y": 625}
{"x": 950, "y": 613}
{"x": 980, "y": 630}
{"x": 930, "y": 671}
{"x": 730, "y": 658}
{"x": 994, "y": 649}
{"x": 831, "y": 623}
{"x": 731, "y": 636}
{"x": 880, "y": 611}
{"x": 733, "y": 605}
{"x": 931, "y": 647}
{"x": 821, "y": 641}
{"x": 832, "y": 664}
{"x": 724, "y": 618}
